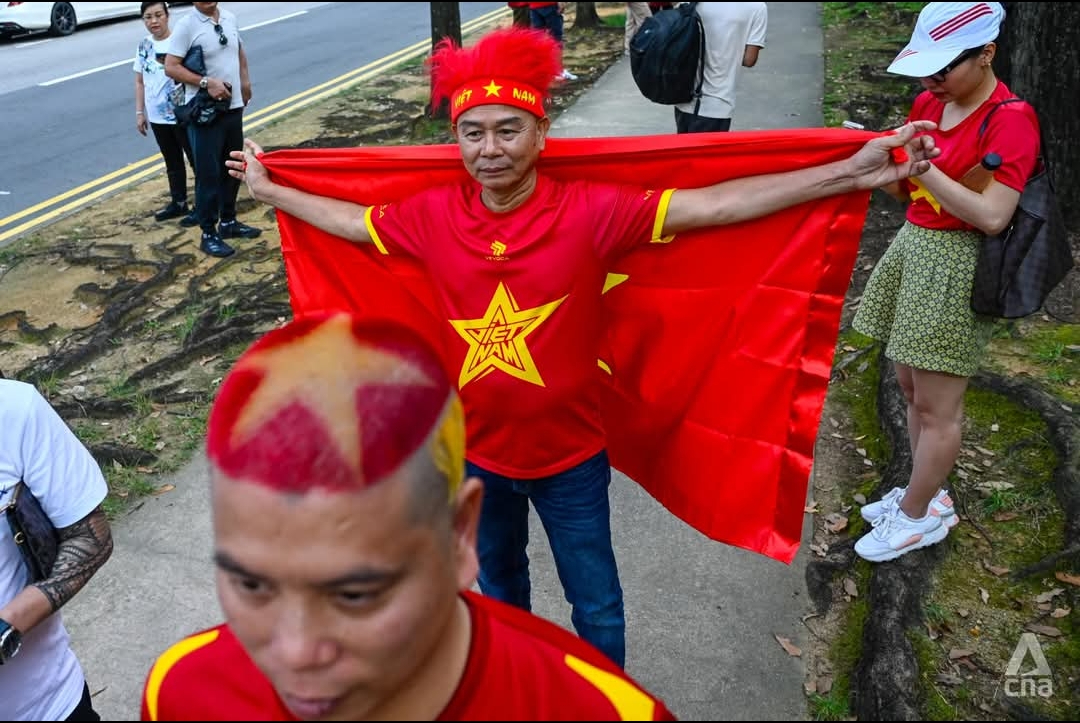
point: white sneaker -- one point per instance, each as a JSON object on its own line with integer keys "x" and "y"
{"x": 894, "y": 534}
{"x": 941, "y": 505}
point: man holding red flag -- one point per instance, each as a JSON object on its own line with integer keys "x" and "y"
{"x": 517, "y": 262}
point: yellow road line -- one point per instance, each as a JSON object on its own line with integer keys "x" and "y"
{"x": 142, "y": 169}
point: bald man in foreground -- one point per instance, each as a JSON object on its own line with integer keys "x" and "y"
{"x": 345, "y": 546}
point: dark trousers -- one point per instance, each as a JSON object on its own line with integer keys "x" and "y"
{"x": 172, "y": 139}
{"x": 573, "y": 507}
{"x": 548, "y": 18}
{"x": 690, "y": 123}
{"x": 215, "y": 189}
{"x": 84, "y": 711}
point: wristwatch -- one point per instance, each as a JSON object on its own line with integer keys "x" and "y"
{"x": 203, "y": 82}
{"x": 10, "y": 641}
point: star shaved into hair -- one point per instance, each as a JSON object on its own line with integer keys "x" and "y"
{"x": 329, "y": 402}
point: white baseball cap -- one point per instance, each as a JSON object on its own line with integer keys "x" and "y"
{"x": 945, "y": 30}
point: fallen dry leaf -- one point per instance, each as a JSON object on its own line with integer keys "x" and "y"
{"x": 850, "y": 587}
{"x": 984, "y": 595}
{"x": 811, "y": 509}
{"x": 1066, "y": 577}
{"x": 995, "y": 569}
{"x": 1005, "y": 516}
{"x": 835, "y": 522}
{"x": 957, "y": 653}
{"x": 860, "y": 498}
{"x": 963, "y": 612}
{"x": 787, "y": 645}
{"x": 1048, "y": 630}
{"x": 1049, "y": 595}
{"x": 164, "y": 488}
{"x": 824, "y": 684}
{"x": 810, "y": 686}
{"x": 1060, "y": 612}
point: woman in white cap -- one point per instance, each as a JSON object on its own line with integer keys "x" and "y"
{"x": 917, "y": 299}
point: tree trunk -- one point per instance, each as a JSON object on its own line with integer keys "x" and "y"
{"x": 585, "y": 16}
{"x": 445, "y": 23}
{"x": 1039, "y": 59}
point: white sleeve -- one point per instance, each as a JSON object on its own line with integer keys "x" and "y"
{"x": 57, "y": 468}
{"x": 758, "y": 25}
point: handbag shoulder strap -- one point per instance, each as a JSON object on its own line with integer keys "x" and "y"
{"x": 1041, "y": 157}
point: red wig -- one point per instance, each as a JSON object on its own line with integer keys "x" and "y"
{"x": 524, "y": 55}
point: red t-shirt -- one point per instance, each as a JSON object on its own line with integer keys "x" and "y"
{"x": 1013, "y": 133}
{"x": 521, "y": 292}
{"x": 520, "y": 667}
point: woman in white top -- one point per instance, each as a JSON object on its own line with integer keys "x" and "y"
{"x": 154, "y": 110}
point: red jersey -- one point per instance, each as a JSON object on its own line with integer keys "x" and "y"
{"x": 1013, "y": 134}
{"x": 520, "y": 667}
{"x": 521, "y": 292}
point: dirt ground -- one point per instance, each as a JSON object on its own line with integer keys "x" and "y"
{"x": 128, "y": 328}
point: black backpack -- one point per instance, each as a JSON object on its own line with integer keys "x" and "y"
{"x": 667, "y": 56}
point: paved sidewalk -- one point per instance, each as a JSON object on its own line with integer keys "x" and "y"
{"x": 701, "y": 615}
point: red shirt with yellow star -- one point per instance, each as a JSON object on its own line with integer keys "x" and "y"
{"x": 520, "y": 667}
{"x": 521, "y": 291}
{"x": 1013, "y": 134}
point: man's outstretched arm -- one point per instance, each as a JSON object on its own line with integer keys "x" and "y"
{"x": 743, "y": 199}
{"x": 339, "y": 218}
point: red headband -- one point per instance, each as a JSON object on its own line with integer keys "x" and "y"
{"x": 496, "y": 91}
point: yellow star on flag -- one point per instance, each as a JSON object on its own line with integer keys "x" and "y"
{"x": 497, "y": 339}
{"x": 301, "y": 371}
{"x": 921, "y": 192}
{"x": 492, "y": 89}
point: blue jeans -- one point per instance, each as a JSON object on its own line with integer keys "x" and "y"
{"x": 573, "y": 507}
{"x": 548, "y": 18}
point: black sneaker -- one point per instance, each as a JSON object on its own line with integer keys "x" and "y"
{"x": 235, "y": 229}
{"x": 191, "y": 220}
{"x": 173, "y": 210}
{"x": 213, "y": 245}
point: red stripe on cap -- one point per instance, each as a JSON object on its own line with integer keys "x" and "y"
{"x": 904, "y": 54}
{"x": 949, "y": 27}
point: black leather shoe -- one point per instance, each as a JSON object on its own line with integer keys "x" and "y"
{"x": 173, "y": 210}
{"x": 191, "y": 220}
{"x": 235, "y": 229}
{"x": 213, "y": 245}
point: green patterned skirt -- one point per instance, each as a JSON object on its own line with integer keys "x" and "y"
{"x": 918, "y": 301}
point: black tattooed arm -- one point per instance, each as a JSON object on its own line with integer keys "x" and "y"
{"x": 84, "y": 548}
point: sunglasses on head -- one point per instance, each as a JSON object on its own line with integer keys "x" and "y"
{"x": 220, "y": 34}
{"x": 939, "y": 77}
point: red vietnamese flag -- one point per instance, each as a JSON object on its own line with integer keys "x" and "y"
{"x": 719, "y": 344}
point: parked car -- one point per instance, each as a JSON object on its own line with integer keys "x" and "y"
{"x": 59, "y": 18}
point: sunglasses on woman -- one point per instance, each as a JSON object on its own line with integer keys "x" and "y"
{"x": 939, "y": 77}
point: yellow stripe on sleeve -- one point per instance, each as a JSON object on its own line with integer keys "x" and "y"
{"x": 630, "y": 701}
{"x": 373, "y": 233}
{"x": 661, "y": 217}
{"x": 165, "y": 663}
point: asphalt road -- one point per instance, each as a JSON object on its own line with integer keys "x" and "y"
{"x": 67, "y": 104}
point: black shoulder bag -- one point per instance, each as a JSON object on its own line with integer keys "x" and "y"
{"x": 1019, "y": 267}
{"x": 33, "y": 532}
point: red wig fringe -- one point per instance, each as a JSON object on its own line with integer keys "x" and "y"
{"x": 523, "y": 54}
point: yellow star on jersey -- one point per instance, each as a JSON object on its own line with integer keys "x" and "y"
{"x": 497, "y": 339}
{"x": 921, "y": 192}
{"x": 492, "y": 89}
{"x": 327, "y": 358}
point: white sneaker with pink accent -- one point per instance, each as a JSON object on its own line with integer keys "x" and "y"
{"x": 894, "y": 534}
{"x": 941, "y": 505}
